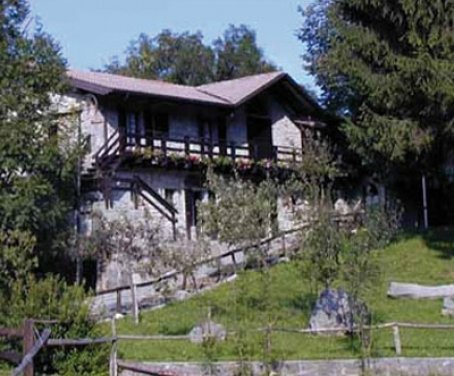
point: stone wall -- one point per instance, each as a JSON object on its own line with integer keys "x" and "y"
{"x": 378, "y": 367}
{"x": 284, "y": 131}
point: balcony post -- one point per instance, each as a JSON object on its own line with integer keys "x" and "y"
{"x": 186, "y": 145}
{"x": 255, "y": 151}
{"x": 122, "y": 139}
{"x": 275, "y": 153}
{"x": 210, "y": 149}
{"x": 164, "y": 146}
{"x": 202, "y": 147}
{"x": 233, "y": 151}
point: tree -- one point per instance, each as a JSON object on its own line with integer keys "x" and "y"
{"x": 135, "y": 245}
{"x": 388, "y": 66}
{"x": 238, "y": 55}
{"x": 241, "y": 214}
{"x": 183, "y": 58}
{"x": 179, "y": 58}
{"x": 36, "y": 174}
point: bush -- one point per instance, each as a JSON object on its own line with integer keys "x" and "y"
{"x": 53, "y": 299}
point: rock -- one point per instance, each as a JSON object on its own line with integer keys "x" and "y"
{"x": 341, "y": 207}
{"x": 181, "y": 295}
{"x": 415, "y": 291}
{"x": 448, "y": 306}
{"x": 332, "y": 311}
{"x": 205, "y": 330}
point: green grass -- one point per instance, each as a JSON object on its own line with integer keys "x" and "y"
{"x": 427, "y": 259}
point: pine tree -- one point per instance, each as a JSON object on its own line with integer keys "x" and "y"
{"x": 388, "y": 67}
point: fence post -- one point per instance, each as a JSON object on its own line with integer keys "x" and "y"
{"x": 28, "y": 342}
{"x": 397, "y": 343}
{"x": 135, "y": 303}
{"x": 118, "y": 303}
{"x": 284, "y": 245}
{"x": 113, "y": 352}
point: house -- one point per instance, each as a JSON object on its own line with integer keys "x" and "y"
{"x": 147, "y": 140}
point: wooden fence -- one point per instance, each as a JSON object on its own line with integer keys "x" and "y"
{"x": 232, "y": 254}
{"x": 33, "y": 345}
{"x": 282, "y": 238}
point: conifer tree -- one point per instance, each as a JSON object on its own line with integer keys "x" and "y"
{"x": 388, "y": 66}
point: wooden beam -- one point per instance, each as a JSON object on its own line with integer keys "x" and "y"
{"x": 26, "y": 365}
{"x": 11, "y": 332}
{"x": 11, "y": 356}
{"x": 28, "y": 345}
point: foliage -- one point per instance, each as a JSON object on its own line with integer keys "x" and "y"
{"x": 16, "y": 257}
{"x": 179, "y": 58}
{"x": 36, "y": 174}
{"x": 321, "y": 249}
{"x": 183, "y": 58}
{"x": 334, "y": 249}
{"x": 238, "y": 55}
{"x": 240, "y": 213}
{"x": 184, "y": 255}
{"x": 388, "y": 65}
{"x": 135, "y": 244}
{"x": 52, "y": 299}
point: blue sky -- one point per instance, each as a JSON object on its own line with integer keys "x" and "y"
{"x": 92, "y": 31}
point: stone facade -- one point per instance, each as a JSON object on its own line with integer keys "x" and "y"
{"x": 100, "y": 118}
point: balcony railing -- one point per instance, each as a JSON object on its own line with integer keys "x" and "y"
{"x": 122, "y": 143}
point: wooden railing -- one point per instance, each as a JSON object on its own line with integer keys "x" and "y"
{"x": 131, "y": 143}
{"x": 140, "y": 187}
{"x": 115, "y": 364}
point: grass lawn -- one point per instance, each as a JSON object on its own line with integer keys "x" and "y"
{"x": 427, "y": 259}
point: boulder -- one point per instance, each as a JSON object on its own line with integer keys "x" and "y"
{"x": 448, "y": 306}
{"x": 205, "y": 330}
{"x": 332, "y": 311}
{"x": 180, "y": 295}
{"x": 415, "y": 291}
{"x": 342, "y": 207}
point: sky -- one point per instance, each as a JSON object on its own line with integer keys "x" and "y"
{"x": 90, "y": 32}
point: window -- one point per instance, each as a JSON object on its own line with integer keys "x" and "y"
{"x": 157, "y": 124}
{"x": 162, "y": 124}
{"x": 192, "y": 199}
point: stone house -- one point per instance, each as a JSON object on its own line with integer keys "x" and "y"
{"x": 147, "y": 140}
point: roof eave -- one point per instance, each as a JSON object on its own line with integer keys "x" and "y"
{"x": 102, "y": 90}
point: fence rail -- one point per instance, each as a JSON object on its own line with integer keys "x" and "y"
{"x": 233, "y": 254}
{"x": 33, "y": 347}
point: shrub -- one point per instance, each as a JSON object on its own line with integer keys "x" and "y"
{"x": 53, "y": 299}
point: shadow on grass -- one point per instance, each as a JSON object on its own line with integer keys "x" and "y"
{"x": 441, "y": 240}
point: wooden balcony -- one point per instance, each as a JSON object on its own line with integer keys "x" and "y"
{"x": 128, "y": 145}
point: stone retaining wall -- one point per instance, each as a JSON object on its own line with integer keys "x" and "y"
{"x": 378, "y": 367}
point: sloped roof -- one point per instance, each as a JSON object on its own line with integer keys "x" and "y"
{"x": 230, "y": 93}
{"x": 105, "y": 83}
{"x": 239, "y": 90}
